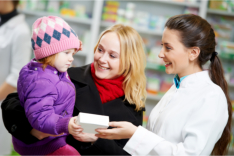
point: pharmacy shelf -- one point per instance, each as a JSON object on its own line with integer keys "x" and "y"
{"x": 68, "y": 19}
{"x": 194, "y": 5}
{"x": 220, "y": 12}
{"x": 227, "y": 56}
{"x": 140, "y": 30}
{"x": 155, "y": 66}
{"x": 153, "y": 97}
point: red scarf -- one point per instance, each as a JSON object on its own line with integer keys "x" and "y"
{"x": 108, "y": 89}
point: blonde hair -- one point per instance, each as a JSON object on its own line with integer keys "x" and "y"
{"x": 132, "y": 63}
{"x": 48, "y": 61}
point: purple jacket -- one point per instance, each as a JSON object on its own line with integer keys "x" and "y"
{"x": 48, "y": 98}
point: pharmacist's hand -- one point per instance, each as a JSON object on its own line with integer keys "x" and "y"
{"x": 40, "y": 135}
{"x": 85, "y": 137}
{"x": 121, "y": 130}
{"x": 73, "y": 128}
{"x": 81, "y": 46}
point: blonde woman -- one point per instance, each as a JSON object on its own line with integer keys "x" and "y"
{"x": 114, "y": 85}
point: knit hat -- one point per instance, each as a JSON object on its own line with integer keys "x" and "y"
{"x": 52, "y": 35}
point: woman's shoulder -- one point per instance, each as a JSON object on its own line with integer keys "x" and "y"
{"x": 132, "y": 106}
{"x": 73, "y": 71}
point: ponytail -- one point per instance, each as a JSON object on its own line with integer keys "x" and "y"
{"x": 217, "y": 76}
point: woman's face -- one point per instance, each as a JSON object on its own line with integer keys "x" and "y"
{"x": 107, "y": 57}
{"x": 174, "y": 53}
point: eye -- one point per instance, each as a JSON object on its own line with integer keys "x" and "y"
{"x": 100, "y": 50}
{"x": 113, "y": 56}
{"x": 168, "y": 48}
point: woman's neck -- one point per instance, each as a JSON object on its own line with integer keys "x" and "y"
{"x": 190, "y": 70}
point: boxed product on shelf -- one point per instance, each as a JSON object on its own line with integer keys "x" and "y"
{"x": 158, "y": 83}
{"x": 110, "y": 11}
{"x": 191, "y": 10}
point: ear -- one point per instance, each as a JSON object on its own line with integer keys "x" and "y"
{"x": 194, "y": 53}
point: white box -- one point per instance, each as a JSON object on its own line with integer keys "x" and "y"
{"x": 90, "y": 122}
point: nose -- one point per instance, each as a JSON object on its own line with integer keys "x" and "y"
{"x": 71, "y": 58}
{"x": 161, "y": 54}
{"x": 103, "y": 58}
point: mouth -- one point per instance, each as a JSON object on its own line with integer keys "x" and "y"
{"x": 104, "y": 68}
{"x": 167, "y": 64}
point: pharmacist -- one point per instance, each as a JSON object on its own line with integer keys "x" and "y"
{"x": 14, "y": 54}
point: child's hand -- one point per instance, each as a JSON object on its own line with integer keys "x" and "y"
{"x": 85, "y": 137}
{"x": 40, "y": 135}
{"x": 73, "y": 128}
{"x": 81, "y": 46}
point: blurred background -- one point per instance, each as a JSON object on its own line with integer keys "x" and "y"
{"x": 90, "y": 17}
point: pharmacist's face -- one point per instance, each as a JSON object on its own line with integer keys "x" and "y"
{"x": 174, "y": 54}
{"x": 107, "y": 57}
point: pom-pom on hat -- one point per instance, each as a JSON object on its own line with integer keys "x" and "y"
{"x": 51, "y": 35}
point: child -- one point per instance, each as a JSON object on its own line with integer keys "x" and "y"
{"x": 45, "y": 90}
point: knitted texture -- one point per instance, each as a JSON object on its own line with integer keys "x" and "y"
{"x": 52, "y": 35}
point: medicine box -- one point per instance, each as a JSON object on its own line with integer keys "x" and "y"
{"x": 90, "y": 122}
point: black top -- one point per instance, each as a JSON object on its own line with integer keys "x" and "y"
{"x": 87, "y": 101}
{"x": 4, "y": 18}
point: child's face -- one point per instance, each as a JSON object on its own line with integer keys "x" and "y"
{"x": 174, "y": 53}
{"x": 107, "y": 57}
{"x": 64, "y": 59}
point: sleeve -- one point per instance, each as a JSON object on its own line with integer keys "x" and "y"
{"x": 20, "y": 53}
{"x": 40, "y": 98}
{"x": 15, "y": 121}
{"x": 202, "y": 130}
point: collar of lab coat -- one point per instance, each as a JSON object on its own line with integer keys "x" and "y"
{"x": 15, "y": 20}
{"x": 196, "y": 79}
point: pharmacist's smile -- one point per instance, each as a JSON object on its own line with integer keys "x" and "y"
{"x": 167, "y": 64}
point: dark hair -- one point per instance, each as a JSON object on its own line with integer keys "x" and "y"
{"x": 197, "y": 32}
{"x": 15, "y": 3}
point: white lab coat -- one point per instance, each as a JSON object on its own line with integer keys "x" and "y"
{"x": 15, "y": 52}
{"x": 186, "y": 121}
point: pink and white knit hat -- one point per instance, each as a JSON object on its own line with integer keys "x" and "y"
{"x": 52, "y": 35}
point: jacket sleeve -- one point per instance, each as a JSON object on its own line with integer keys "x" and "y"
{"x": 202, "y": 130}
{"x": 20, "y": 53}
{"x": 15, "y": 121}
{"x": 39, "y": 100}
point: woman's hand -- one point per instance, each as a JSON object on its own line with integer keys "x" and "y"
{"x": 85, "y": 137}
{"x": 40, "y": 135}
{"x": 122, "y": 130}
{"x": 73, "y": 128}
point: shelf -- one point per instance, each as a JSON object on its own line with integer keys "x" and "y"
{"x": 194, "y": 5}
{"x": 153, "y": 97}
{"x": 68, "y": 19}
{"x": 220, "y": 12}
{"x": 140, "y": 30}
{"x": 154, "y": 66}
